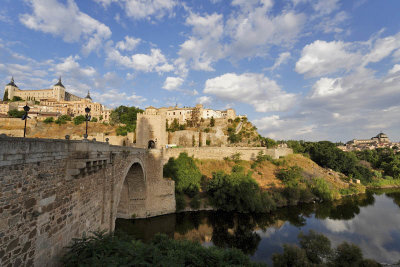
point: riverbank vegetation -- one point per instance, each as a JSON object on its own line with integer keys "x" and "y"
{"x": 315, "y": 250}
{"x": 121, "y": 250}
{"x": 374, "y": 168}
{"x": 253, "y": 186}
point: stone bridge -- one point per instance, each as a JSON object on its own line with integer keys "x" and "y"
{"x": 54, "y": 190}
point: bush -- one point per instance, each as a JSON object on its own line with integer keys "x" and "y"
{"x": 121, "y": 250}
{"x": 212, "y": 122}
{"x": 321, "y": 189}
{"x": 49, "y": 120}
{"x": 79, "y": 119}
{"x": 238, "y": 191}
{"x": 185, "y": 173}
{"x": 65, "y": 118}
{"x": 180, "y": 202}
{"x": 208, "y": 142}
{"x": 94, "y": 119}
{"x": 195, "y": 202}
{"x": 290, "y": 176}
{"x": 14, "y": 113}
{"x": 316, "y": 251}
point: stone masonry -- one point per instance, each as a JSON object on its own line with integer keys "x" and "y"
{"x": 54, "y": 190}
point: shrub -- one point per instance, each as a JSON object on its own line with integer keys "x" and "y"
{"x": 14, "y": 113}
{"x": 49, "y": 120}
{"x": 195, "y": 202}
{"x": 121, "y": 250}
{"x": 321, "y": 189}
{"x": 207, "y": 130}
{"x": 65, "y": 117}
{"x": 212, "y": 122}
{"x": 238, "y": 191}
{"x": 94, "y": 119}
{"x": 79, "y": 119}
{"x": 208, "y": 142}
{"x": 290, "y": 175}
{"x": 185, "y": 173}
{"x": 180, "y": 201}
{"x": 236, "y": 157}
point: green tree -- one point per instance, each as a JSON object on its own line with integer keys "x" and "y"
{"x": 238, "y": 191}
{"x": 5, "y": 97}
{"x": 16, "y": 99}
{"x": 292, "y": 256}
{"x": 94, "y": 119}
{"x": 316, "y": 246}
{"x": 212, "y": 122}
{"x": 14, "y": 113}
{"x": 185, "y": 173}
{"x": 347, "y": 255}
{"x": 79, "y": 119}
{"x": 49, "y": 120}
{"x": 101, "y": 117}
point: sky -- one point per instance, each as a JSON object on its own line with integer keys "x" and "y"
{"x": 299, "y": 69}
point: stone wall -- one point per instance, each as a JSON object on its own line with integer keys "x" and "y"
{"x": 55, "y": 190}
{"x": 151, "y": 127}
{"x": 185, "y": 138}
{"x": 246, "y": 153}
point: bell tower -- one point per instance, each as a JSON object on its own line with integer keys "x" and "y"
{"x": 59, "y": 90}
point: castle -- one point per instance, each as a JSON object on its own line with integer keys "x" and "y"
{"x": 381, "y": 140}
{"x": 182, "y": 115}
{"x": 52, "y": 102}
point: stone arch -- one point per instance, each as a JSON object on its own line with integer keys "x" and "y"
{"x": 133, "y": 194}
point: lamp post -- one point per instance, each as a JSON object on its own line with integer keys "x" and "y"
{"x": 25, "y": 117}
{"x": 87, "y": 117}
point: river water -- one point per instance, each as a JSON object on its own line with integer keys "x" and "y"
{"x": 371, "y": 221}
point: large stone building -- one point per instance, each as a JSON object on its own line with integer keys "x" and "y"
{"x": 379, "y": 141}
{"x": 53, "y": 102}
{"x": 182, "y": 115}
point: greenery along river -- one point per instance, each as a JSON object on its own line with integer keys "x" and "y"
{"x": 371, "y": 221}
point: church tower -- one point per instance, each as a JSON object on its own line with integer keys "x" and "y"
{"x": 10, "y": 88}
{"x": 59, "y": 90}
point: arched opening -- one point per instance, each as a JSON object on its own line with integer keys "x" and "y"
{"x": 151, "y": 144}
{"x": 132, "y": 201}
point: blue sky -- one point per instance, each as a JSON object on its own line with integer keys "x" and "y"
{"x": 300, "y": 69}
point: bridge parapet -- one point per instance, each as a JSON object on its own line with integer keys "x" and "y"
{"x": 54, "y": 190}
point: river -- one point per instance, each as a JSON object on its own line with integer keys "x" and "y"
{"x": 371, "y": 221}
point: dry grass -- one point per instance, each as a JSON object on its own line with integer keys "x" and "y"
{"x": 265, "y": 172}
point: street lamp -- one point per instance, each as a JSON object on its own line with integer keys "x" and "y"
{"x": 25, "y": 117}
{"x": 87, "y": 117}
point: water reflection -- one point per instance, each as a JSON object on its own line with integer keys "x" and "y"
{"x": 372, "y": 221}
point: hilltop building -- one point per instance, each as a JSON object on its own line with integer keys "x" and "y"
{"x": 52, "y": 102}
{"x": 185, "y": 113}
{"x": 380, "y": 140}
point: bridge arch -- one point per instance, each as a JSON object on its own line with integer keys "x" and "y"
{"x": 133, "y": 193}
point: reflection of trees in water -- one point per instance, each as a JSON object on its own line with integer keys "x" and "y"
{"x": 186, "y": 222}
{"x": 395, "y": 196}
{"x": 344, "y": 209}
{"x": 235, "y": 231}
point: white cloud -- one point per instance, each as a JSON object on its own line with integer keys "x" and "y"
{"x": 155, "y": 61}
{"x": 116, "y": 98}
{"x": 253, "y": 29}
{"x": 327, "y": 87}
{"x": 143, "y": 9}
{"x": 383, "y": 48}
{"x": 251, "y": 88}
{"x": 396, "y": 68}
{"x": 321, "y": 57}
{"x": 129, "y": 44}
{"x": 283, "y": 58}
{"x": 203, "y": 48}
{"x": 172, "y": 83}
{"x": 70, "y": 65}
{"x": 204, "y": 100}
{"x": 67, "y": 21}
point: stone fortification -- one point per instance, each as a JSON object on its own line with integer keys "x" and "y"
{"x": 246, "y": 153}
{"x": 151, "y": 128}
{"x": 55, "y": 190}
{"x": 189, "y": 138}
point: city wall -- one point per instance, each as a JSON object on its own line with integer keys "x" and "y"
{"x": 246, "y": 153}
{"x": 52, "y": 191}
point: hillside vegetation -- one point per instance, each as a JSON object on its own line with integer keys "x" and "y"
{"x": 254, "y": 186}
